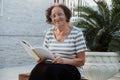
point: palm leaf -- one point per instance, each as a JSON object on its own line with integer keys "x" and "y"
{"x": 100, "y": 24}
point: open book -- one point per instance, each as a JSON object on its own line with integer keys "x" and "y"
{"x": 37, "y": 52}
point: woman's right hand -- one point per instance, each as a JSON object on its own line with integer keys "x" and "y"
{"x": 41, "y": 60}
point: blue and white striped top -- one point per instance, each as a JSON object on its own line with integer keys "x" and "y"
{"x": 69, "y": 47}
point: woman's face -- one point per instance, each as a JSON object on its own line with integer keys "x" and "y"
{"x": 58, "y": 16}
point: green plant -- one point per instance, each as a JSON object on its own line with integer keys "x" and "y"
{"x": 115, "y": 43}
{"x": 100, "y": 24}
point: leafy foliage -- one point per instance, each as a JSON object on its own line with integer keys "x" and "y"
{"x": 100, "y": 24}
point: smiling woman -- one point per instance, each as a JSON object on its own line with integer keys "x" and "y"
{"x": 67, "y": 44}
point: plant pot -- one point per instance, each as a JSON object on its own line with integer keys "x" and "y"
{"x": 101, "y": 65}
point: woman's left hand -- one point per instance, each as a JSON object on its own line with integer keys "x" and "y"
{"x": 57, "y": 60}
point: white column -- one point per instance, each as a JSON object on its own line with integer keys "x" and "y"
{"x": 54, "y": 1}
{"x": 1, "y": 7}
{"x": 64, "y": 1}
{"x": 57, "y": 1}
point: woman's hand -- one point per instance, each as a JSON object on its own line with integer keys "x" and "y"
{"x": 58, "y": 59}
{"x": 78, "y": 61}
{"x": 41, "y": 60}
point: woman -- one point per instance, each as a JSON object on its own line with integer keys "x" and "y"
{"x": 67, "y": 44}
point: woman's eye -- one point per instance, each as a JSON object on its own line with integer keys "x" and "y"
{"x": 60, "y": 14}
{"x": 52, "y": 16}
{"x": 55, "y": 15}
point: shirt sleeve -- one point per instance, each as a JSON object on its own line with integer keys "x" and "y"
{"x": 45, "y": 42}
{"x": 80, "y": 43}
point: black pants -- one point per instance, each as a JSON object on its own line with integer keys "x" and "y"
{"x": 46, "y": 71}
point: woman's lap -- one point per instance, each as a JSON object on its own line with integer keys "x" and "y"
{"x": 43, "y": 71}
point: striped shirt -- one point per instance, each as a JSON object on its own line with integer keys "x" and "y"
{"x": 69, "y": 47}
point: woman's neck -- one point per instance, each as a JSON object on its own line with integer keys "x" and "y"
{"x": 62, "y": 31}
{"x": 63, "y": 28}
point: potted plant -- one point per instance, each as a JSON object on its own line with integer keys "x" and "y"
{"x": 100, "y": 25}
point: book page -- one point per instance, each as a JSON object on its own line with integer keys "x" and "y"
{"x": 43, "y": 52}
{"x": 37, "y": 52}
